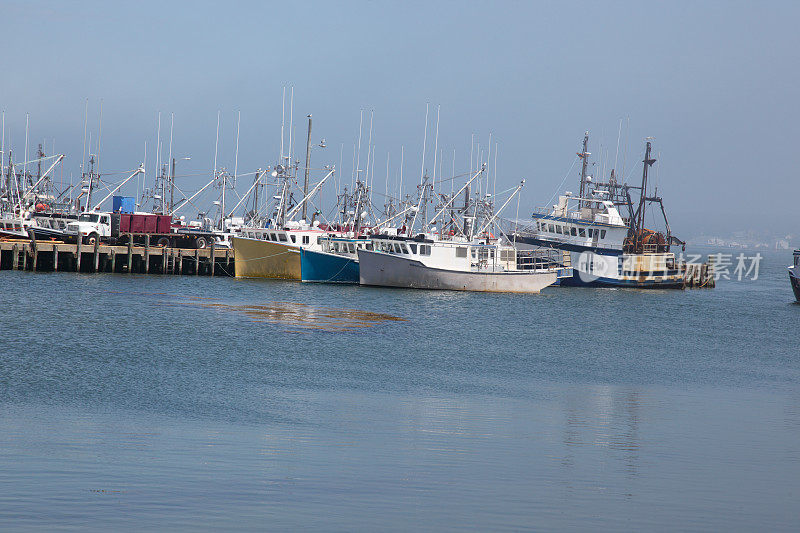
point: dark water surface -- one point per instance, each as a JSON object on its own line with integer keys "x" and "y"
{"x": 151, "y": 403}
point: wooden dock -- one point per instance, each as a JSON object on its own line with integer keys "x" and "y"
{"x": 53, "y": 256}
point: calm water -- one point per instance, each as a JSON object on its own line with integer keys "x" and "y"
{"x": 146, "y": 402}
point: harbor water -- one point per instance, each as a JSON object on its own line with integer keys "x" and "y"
{"x": 181, "y": 402}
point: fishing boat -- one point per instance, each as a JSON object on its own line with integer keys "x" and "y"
{"x": 608, "y": 248}
{"x": 794, "y": 275}
{"x": 458, "y": 256}
{"x": 423, "y": 263}
{"x": 14, "y": 227}
{"x": 51, "y": 225}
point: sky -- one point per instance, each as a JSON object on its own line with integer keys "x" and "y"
{"x": 715, "y": 84}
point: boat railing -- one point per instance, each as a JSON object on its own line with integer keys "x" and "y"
{"x": 542, "y": 259}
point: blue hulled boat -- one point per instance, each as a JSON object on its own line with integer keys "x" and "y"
{"x": 337, "y": 262}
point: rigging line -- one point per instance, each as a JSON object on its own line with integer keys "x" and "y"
{"x": 563, "y": 180}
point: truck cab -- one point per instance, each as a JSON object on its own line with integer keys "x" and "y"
{"x": 90, "y": 227}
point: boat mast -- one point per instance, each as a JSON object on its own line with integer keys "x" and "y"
{"x": 637, "y": 224}
{"x": 584, "y": 155}
{"x": 308, "y": 162}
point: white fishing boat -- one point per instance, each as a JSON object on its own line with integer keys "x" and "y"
{"x": 459, "y": 257}
{"x": 461, "y": 266}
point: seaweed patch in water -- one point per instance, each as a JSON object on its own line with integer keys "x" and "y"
{"x": 298, "y": 315}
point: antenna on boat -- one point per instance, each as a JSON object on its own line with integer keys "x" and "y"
{"x": 619, "y": 133}
{"x": 158, "y": 158}
{"x": 283, "y": 120}
{"x": 85, "y": 123}
{"x": 436, "y": 146}
{"x": 625, "y": 148}
{"x": 357, "y": 166}
{"x": 402, "y": 157}
{"x": 424, "y": 145}
{"x": 3, "y": 145}
{"x": 25, "y": 162}
{"x": 291, "y": 124}
{"x": 488, "y": 161}
{"x": 99, "y": 135}
{"x": 216, "y": 147}
{"x": 369, "y": 147}
{"x": 308, "y": 162}
{"x": 236, "y": 157}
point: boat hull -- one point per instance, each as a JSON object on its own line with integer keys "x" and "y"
{"x": 255, "y": 258}
{"x": 387, "y": 270}
{"x": 323, "y": 267}
{"x": 605, "y": 267}
{"x": 47, "y": 233}
{"x": 794, "y": 278}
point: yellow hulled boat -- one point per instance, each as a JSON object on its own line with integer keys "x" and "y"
{"x": 255, "y": 258}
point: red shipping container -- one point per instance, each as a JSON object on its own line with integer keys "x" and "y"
{"x": 150, "y": 223}
{"x": 137, "y": 224}
{"x": 164, "y": 224}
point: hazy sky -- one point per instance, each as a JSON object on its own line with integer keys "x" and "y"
{"x": 715, "y": 83}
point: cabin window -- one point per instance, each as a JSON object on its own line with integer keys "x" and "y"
{"x": 506, "y": 255}
{"x": 590, "y": 232}
{"x": 413, "y": 248}
{"x": 396, "y": 248}
{"x": 574, "y": 231}
{"x": 405, "y": 249}
{"x": 602, "y": 234}
{"x": 491, "y": 253}
{"x": 424, "y": 249}
{"x": 551, "y": 229}
{"x": 306, "y": 239}
{"x": 369, "y": 246}
{"x": 319, "y": 240}
{"x": 352, "y": 248}
{"x": 461, "y": 251}
{"x": 474, "y": 253}
{"x": 558, "y": 229}
{"x": 581, "y": 232}
{"x": 294, "y": 238}
{"x": 282, "y": 237}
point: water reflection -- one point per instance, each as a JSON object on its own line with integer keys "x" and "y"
{"x": 603, "y": 417}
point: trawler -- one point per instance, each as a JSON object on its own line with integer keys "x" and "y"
{"x": 608, "y": 248}
{"x": 794, "y": 275}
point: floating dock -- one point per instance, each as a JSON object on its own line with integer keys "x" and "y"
{"x": 53, "y": 256}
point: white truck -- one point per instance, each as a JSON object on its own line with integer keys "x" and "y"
{"x": 119, "y": 228}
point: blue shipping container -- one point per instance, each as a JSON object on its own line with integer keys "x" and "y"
{"x": 123, "y": 204}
